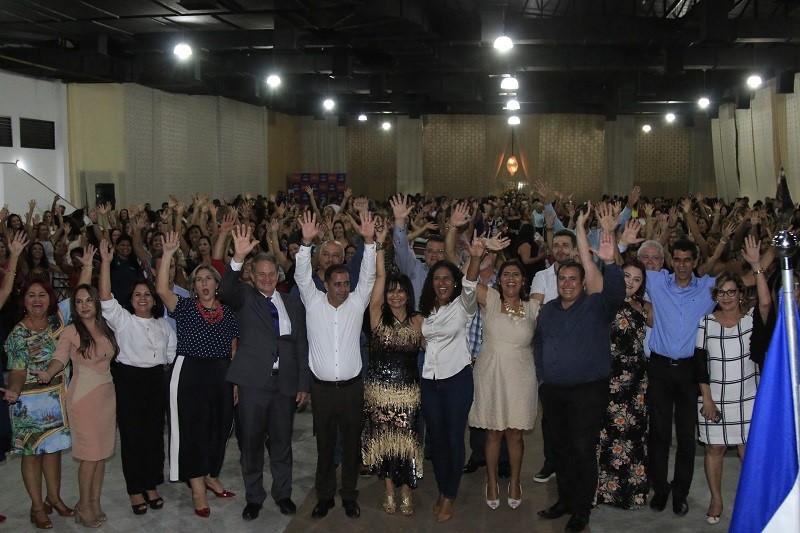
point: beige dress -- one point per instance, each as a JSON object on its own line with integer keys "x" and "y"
{"x": 504, "y": 375}
{"x": 91, "y": 400}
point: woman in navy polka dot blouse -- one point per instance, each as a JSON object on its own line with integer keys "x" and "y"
{"x": 201, "y": 400}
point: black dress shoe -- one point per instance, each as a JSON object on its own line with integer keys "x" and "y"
{"x": 351, "y": 508}
{"x": 251, "y": 511}
{"x": 577, "y": 522}
{"x": 544, "y": 475}
{"x": 286, "y": 505}
{"x": 472, "y": 465}
{"x": 659, "y": 501}
{"x": 556, "y": 511}
{"x": 504, "y": 470}
{"x": 679, "y": 506}
{"x": 321, "y": 509}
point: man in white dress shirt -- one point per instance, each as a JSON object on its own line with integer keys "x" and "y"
{"x": 333, "y": 320}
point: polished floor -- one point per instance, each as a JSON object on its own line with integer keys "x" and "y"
{"x": 471, "y": 512}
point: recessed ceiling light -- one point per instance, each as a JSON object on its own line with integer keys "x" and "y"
{"x": 703, "y": 102}
{"x": 503, "y": 43}
{"x": 512, "y": 105}
{"x": 328, "y": 104}
{"x": 509, "y": 84}
{"x": 646, "y": 128}
{"x": 273, "y": 80}
{"x": 513, "y": 120}
{"x": 386, "y": 126}
{"x": 362, "y": 118}
{"x": 182, "y": 50}
{"x": 670, "y": 117}
{"x": 754, "y": 81}
{"x": 19, "y": 163}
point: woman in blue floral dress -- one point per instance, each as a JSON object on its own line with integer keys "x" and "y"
{"x": 622, "y": 447}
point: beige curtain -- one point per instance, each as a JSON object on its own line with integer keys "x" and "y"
{"x": 323, "y": 145}
{"x": 620, "y": 137}
{"x": 764, "y": 140}
{"x": 409, "y": 155}
{"x": 527, "y": 139}
{"x": 498, "y": 142}
{"x": 701, "y": 178}
{"x": 792, "y": 161}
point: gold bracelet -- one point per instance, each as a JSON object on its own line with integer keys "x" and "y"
{"x": 759, "y": 271}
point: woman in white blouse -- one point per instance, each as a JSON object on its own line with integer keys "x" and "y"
{"x": 146, "y": 349}
{"x": 447, "y": 303}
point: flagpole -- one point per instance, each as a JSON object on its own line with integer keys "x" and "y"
{"x": 785, "y": 244}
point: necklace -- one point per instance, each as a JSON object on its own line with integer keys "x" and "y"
{"x": 211, "y": 317}
{"x": 516, "y": 314}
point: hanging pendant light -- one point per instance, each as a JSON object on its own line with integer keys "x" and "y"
{"x": 512, "y": 164}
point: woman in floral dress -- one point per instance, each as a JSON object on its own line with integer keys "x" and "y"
{"x": 622, "y": 449}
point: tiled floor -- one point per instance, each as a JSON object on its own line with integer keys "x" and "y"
{"x": 471, "y": 512}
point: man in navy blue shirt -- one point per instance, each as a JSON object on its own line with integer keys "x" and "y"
{"x": 572, "y": 354}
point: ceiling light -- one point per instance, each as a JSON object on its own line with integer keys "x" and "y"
{"x": 362, "y": 118}
{"x": 328, "y": 104}
{"x": 182, "y": 50}
{"x": 703, "y": 102}
{"x": 386, "y": 126}
{"x": 646, "y": 128}
{"x": 754, "y": 81}
{"x": 509, "y": 84}
{"x": 503, "y": 43}
{"x": 512, "y": 105}
{"x": 19, "y": 164}
{"x": 273, "y": 80}
{"x": 513, "y": 120}
{"x": 670, "y": 117}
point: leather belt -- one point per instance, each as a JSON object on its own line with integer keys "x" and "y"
{"x": 669, "y": 360}
{"x": 337, "y": 384}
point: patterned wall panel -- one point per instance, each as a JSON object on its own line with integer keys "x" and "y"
{"x": 453, "y": 148}
{"x": 572, "y": 153}
{"x": 139, "y": 142}
{"x": 663, "y": 165}
{"x": 371, "y": 159}
{"x": 242, "y": 148}
{"x": 764, "y": 141}
{"x": 792, "y": 165}
{"x": 748, "y": 185}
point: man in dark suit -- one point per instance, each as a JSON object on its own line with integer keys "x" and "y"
{"x": 270, "y": 370}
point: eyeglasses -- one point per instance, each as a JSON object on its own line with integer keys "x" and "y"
{"x": 729, "y": 293}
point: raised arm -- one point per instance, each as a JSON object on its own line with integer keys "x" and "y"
{"x": 87, "y": 260}
{"x": 594, "y": 279}
{"x": 171, "y": 244}
{"x": 223, "y": 234}
{"x": 403, "y": 256}
{"x": 459, "y": 218}
{"x": 376, "y": 297}
{"x": 15, "y": 247}
{"x": 751, "y": 254}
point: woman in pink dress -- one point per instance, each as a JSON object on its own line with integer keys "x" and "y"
{"x": 91, "y": 403}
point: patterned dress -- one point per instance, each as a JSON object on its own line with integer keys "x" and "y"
{"x": 38, "y": 421}
{"x": 622, "y": 447}
{"x": 389, "y": 441}
{"x": 733, "y": 379}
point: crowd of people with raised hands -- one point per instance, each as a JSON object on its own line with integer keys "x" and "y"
{"x": 405, "y": 321}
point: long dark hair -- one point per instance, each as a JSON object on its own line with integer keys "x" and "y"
{"x": 523, "y": 294}
{"x": 158, "y": 304}
{"x": 87, "y": 341}
{"x": 427, "y": 298}
{"x": 393, "y": 281}
{"x": 43, "y": 262}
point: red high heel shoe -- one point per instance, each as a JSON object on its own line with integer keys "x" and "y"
{"x": 205, "y": 512}
{"x": 223, "y": 494}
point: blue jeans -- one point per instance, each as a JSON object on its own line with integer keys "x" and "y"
{"x": 445, "y": 407}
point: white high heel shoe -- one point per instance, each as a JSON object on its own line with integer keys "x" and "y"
{"x": 493, "y": 504}
{"x": 511, "y": 501}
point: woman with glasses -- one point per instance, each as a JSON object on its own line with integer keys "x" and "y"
{"x": 728, "y": 376}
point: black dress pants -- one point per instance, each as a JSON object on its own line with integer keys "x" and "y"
{"x": 574, "y": 432}
{"x": 672, "y": 390}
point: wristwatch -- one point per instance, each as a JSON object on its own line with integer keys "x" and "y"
{"x": 378, "y": 246}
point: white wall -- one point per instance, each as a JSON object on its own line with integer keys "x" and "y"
{"x": 21, "y": 96}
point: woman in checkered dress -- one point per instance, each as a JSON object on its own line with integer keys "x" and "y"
{"x": 728, "y": 377}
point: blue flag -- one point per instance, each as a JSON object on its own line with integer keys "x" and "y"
{"x": 768, "y": 497}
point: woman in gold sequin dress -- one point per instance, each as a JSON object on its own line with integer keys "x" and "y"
{"x": 390, "y": 443}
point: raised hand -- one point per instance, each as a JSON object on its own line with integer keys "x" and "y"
{"x": 31, "y": 205}
{"x": 18, "y": 243}
{"x": 103, "y": 209}
{"x": 583, "y": 215}
{"x": 400, "y": 207}
{"x": 496, "y": 243}
{"x": 367, "y": 227}
{"x": 648, "y": 210}
{"x": 630, "y": 235}
{"x": 36, "y": 218}
{"x": 686, "y": 205}
{"x": 607, "y": 217}
{"x": 751, "y": 251}
{"x": 634, "y": 195}
{"x": 549, "y": 219}
{"x": 728, "y": 230}
{"x": 606, "y": 249}
{"x": 460, "y": 215}
{"x": 673, "y": 216}
{"x": 88, "y": 255}
{"x": 308, "y": 226}
{"x": 542, "y": 190}
{"x": 106, "y": 251}
{"x": 243, "y": 242}
{"x": 478, "y": 245}
{"x": 228, "y": 221}
{"x": 171, "y": 244}
{"x": 274, "y": 226}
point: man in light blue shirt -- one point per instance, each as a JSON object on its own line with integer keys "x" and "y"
{"x": 679, "y": 301}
